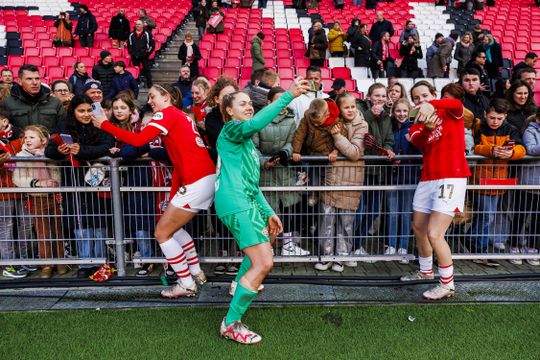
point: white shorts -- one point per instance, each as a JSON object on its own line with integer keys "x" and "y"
{"x": 196, "y": 196}
{"x": 446, "y": 196}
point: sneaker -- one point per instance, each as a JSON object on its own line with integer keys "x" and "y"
{"x": 515, "y": 251}
{"x": 220, "y": 269}
{"x": 337, "y": 267}
{"x": 403, "y": 252}
{"x": 137, "y": 265}
{"x": 177, "y": 290}
{"x": 145, "y": 270}
{"x": 351, "y": 264}
{"x": 199, "y": 278}
{"x": 416, "y": 276}
{"x": 486, "y": 262}
{"x": 232, "y": 288}
{"x": 231, "y": 270}
{"x": 533, "y": 262}
{"x": 302, "y": 178}
{"x": 239, "y": 332}
{"x": 30, "y": 268}
{"x": 312, "y": 200}
{"x": 14, "y": 272}
{"x": 439, "y": 292}
{"x": 323, "y": 266}
{"x": 499, "y": 246}
{"x": 390, "y": 250}
{"x": 362, "y": 252}
{"x": 292, "y": 249}
{"x": 170, "y": 273}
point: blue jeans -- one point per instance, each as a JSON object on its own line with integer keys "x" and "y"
{"x": 399, "y": 217}
{"x": 144, "y": 243}
{"x": 486, "y": 208}
{"x": 90, "y": 243}
{"x": 369, "y": 209}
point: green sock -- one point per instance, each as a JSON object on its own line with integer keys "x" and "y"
{"x": 244, "y": 267}
{"x": 240, "y": 302}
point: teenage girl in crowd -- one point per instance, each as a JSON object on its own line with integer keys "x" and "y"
{"x": 439, "y": 133}
{"x": 192, "y": 187}
{"x": 240, "y": 204}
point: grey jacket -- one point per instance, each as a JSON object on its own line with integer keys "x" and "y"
{"x": 440, "y": 59}
{"x": 275, "y": 137}
{"x": 531, "y": 170}
{"x": 257, "y": 54}
{"x": 463, "y": 55}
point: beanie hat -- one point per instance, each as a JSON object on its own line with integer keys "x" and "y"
{"x": 104, "y": 54}
{"x": 92, "y": 84}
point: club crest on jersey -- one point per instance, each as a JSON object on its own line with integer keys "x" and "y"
{"x": 265, "y": 231}
{"x": 200, "y": 142}
{"x": 158, "y": 116}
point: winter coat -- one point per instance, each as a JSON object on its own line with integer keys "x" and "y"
{"x": 530, "y": 174}
{"x": 257, "y": 54}
{"x": 440, "y": 60}
{"x": 314, "y": 140}
{"x": 86, "y": 25}
{"x": 141, "y": 47}
{"x": 121, "y": 82}
{"x": 150, "y": 23}
{"x": 63, "y": 35}
{"x": 213, "y": 124}
{"x": 336, "y": 39}
{"x": 77, "y": 82}
{"x": 493, "y": 67}
{"x": 26, "y": 172}
{"x": 119, "y": 28}
{"x": 44, "y": 109}
{"x": 517, "y": 118}
{"x": 104, "y": 73}
{"x": 201, "y": 16}
{"x": 362, "y": 51}
{"x": 219, "y": 28}
{"x": 318, "y": 42}
{"x": 348, "y": 172}
{"x": 406, "y": 33}
{"x": 378, "y": 28}
{"x": 406, "y": 172}
{"x": 11, "y": 143}
{"x": 463, "y": 55}
{"x": 259, "y": 96}
{"x": 194, "y": 64}
{"x": 486, "y": 139}
{"x": 301, "y": 103}
{"x": 275, "y": 137}
{"x": 185, "y": 88}
{"x": 477, "y": 104}
{"x": 381, "y": 128}
{"x": 410, "y": 54}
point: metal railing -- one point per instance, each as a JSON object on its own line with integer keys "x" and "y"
{"x": 344, "y": 211}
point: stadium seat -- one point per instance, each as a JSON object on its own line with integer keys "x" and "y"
{"x": 341, "y": 72}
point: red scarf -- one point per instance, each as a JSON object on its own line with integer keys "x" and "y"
{"x": 385, "y": 50}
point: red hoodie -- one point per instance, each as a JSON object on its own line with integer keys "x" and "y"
{"x": 9, "y": 143}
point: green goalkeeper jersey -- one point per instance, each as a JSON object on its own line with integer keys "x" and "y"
{"x": 237, "y": 184}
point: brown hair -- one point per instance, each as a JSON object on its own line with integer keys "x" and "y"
{"x": 41, "y": 130}
{"x": 374, "y": 87}
{"x": 401, "y": 86}
{"x": 341, "y": 97}
{"x": 316, "y": 109}
{"x": 455, "y": 90}
{"x": 128, "y": 100}
{"x": 221, "y": 83}
{"x": 269, "y": 77}
{"x": 172, "y": 91}
{"x": 399, "y": 101}
{"x": 203, "y": 83}
{"x": 227, "y": 102}
{"x": 425, "y": 83}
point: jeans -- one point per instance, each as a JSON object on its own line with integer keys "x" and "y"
{"x": 486, "y": 207}
{"x": 7, "y": 247}
{"x": 90, "y": 243}
{"x": 336, "y": 230}
{"x": 201, "y": 30}
{"x": 369, "y": 209}
{"x": 399, "y": 217}
{"x": 144, "y": 243}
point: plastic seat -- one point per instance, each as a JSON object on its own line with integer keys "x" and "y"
{"x": 231, "y": 72}
{"x": 34, "y": 60}
{"x": 286, "y": 73}
{"x": 55, "y": 72}
{"x": 212, "y": 72}
{"x": 215, "y": 62}
{"x": 50, "y": 61}
{"x": 68, "y": 61}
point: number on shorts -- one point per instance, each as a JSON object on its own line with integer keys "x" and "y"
{"x": 450, "y": 188}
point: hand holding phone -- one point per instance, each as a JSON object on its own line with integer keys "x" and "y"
{"x": 97, "y": 110}
{"x": 66, "y": 138}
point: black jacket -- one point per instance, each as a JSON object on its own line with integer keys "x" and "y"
{"x": 378, "y": 28}
{"x": 477, "y": 104}
{"x": 104, "y": 74}
{"x": 140, "y": 47}
{"x": 213, "y": 123}
{"x": 194, "y": 65}
{"x": 362, "y": 50}
{"x": 77, "y": 83}
{"x": 201, "y": 15}
{"x": 319, "y": 42}
{"x": 119, "y": 28}
{"x": 410, "y": 57}
{"x": 377, "y": 53}
{"x": 86, "y": 24}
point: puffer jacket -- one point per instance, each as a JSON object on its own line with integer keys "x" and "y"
{"x": 347, "y": 173}
{"x": 463, "y": 55}
{"x": 486, "y": 140}
{"x": 121, "y": 82}
{"x": 45, "y": 110}
{"x": 319, "y": 42}
{"x": 119, "y": 28}
{"x": 104, "y": 73}
{"x": 381, "y": 128}
{"x": 86, "y": 24}
{"x": 77, "y": 82}
{"x": 335, "y": 40}
{"x": 275, "y": 137}
{"x": 10, "y": 142}
{"x": 314, "y": 140}
{"x": 259, "y": 96}
{"x": 257, "y": 54}
{"x": 531, "y": 170}
{"x": 440, "y": 59}
{"x": 26, "y": 172}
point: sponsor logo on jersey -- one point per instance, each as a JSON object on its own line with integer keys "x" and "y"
{"x": 265, "y": 231}
{"x": 158, "y": 116}
{"x": 200, "y": 142}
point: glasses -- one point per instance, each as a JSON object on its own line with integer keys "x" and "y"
{"x": 61, "y": 90}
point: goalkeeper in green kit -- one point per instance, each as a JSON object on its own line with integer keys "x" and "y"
{"x": 240, "y": 204}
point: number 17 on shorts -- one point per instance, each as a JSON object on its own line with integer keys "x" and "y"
{"x": 446, "y": 196}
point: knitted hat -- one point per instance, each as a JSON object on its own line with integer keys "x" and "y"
{"x": 104, "y": 54}
{"x": 92, "y": 84}
{"x": 338, "y": 84}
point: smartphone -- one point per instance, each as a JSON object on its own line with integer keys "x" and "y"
{"x": 312, "y": 85}
{"x": 509, "y": 143}
{"x": 66, "y": 138}
{"x": 97, "y": 110}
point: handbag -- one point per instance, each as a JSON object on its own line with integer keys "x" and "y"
{"x": 314, "y": 54}
{"x": 215, "y": 19}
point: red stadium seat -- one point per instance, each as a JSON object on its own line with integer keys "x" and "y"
{"x": 64, "y": 51}
{"x": 55, "y": 72}
{"x": 34, "y": 60}
{"x": 231, "y": 72}
{"x": 48, "y": 52}
{"x": 341, "y": 72}
{"x": 50, "y": 61}
{"x": 215, "y": 62}
{"x": 284, "y": 62}
{"x": 15, "y": 61}
{"x": 68, "y": 61}
{"x": 286, "y": 73}
{"x": 212, "y": 72}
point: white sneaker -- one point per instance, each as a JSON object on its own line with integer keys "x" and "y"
{"x": 177, "y": 290}
{"x": 533, "y": 262}
{"x": 402, "y": 252}
{"x": 499, "y": 246}
{"x": 232, "y": 288}
{"x": 239, "y": 332}
{"x": 323, "y": 266}
{"x": 302, "y": 178}
{"x": 351, "y": 264}
{"x": 515, "y": 251}
{"x": 137, "y": 265}
{"x": 390, "y": 250}
{"x": 312, "y": 200}
{"x": 292, "y": 249}
{"x": 337, "y": 267}
{"x": 416, "y": 276}
{"x": 362, "y": 252}
{"x": 439, "y": 292}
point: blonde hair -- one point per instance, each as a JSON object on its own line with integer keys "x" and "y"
{"x": 316, "y": 109}
{"x": 202, "y": 83}
{"x": 41, "y": 130}
{"x": 403, "y": 101}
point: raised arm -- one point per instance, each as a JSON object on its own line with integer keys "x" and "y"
{"x": 148, "y": 134}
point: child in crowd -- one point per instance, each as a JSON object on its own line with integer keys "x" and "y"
{"x": 336, "y": 227}
{"x": 402, "y": 172}
{"x": 199, "y": 91}
{"x": 500, "y": 142}
{"x": 123, "y": 80}
{"x": 44, "y": 207}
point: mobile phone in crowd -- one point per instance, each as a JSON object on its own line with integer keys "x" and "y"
{"x": 97, "y": 110}
{"x": 509, "y": 144}
{"x": 312, "y": 85}
{"x": 66, "y": 138}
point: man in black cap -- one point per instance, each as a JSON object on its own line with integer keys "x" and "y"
{"x": 86, "y": 27}
{"x": 338, "y": 88}
{"x": 94, "y": 90}
{"x": 103, "y": 71}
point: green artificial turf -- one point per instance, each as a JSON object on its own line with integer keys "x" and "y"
{"x": 358, "y": 332}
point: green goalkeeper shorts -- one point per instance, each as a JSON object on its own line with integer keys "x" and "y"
{"x": 248, "y": 227}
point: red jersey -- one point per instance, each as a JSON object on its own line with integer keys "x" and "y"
{"x": 443, "y": 148}
{"x": 200, "y": 111}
